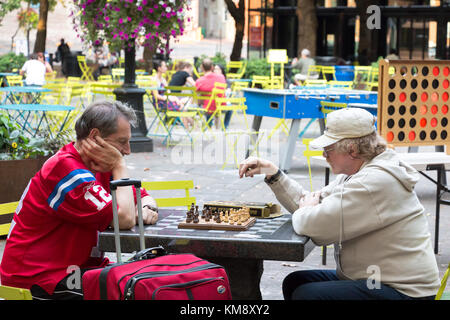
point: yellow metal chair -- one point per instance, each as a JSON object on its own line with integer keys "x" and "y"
{"x": 196, "y": 72}
{"x": 316, "y": 82}
{"x": 186, "y": 96}
{"x": 274, "y": 83}
{"x": 232, "y": 139}
{"x": 259, "y": 80}
{"x": 327, "y": 106}
{"x": 328, "y": 73}
{"x": 233, "y": 104}
{"x": 11, "y": 293}
{"x": 314, "y": 72}
{"x": 373, "y": 82}
{"x": 362, "y": 77}
{"x": 13, "y": 81}
{"x": 7, "y": 209}
{"x": 185, "y": 185}
{"x": 239, "y": 66}
{"x": 107, "y": 78}
{"x": 237, "y": 86}
{"x": 85, "y": 69}
{"x": 118, "y": 74}
{"x": 341, "y": 84}
{"x": 50, "y": 76}
{"x": 308, "y": 153}
{"x": 105, "y": 89}
{"x": 441, "y": 295}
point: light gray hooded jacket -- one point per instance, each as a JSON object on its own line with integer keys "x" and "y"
{"x": 376, "y": 222}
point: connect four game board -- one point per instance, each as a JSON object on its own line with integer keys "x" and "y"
{"x": 413, "y": 102}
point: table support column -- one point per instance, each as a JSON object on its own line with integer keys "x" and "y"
{"x": 244, "y": 276}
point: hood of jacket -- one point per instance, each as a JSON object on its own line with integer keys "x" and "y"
{"x": 391, "y": 163}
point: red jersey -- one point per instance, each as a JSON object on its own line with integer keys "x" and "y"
{"x": 206, "y": 83}
{"x": 56, "y": 223}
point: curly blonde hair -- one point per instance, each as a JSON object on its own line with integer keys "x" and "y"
{"x": 367, "y": 147}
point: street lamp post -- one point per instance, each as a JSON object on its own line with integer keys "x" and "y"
{"x": 132, "y": 95}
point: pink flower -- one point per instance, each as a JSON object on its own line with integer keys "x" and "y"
{"x": 120, "y": 21}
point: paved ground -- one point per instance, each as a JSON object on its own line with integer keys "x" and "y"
{"x": 213, "y": 183}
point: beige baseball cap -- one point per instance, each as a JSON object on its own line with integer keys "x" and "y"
{"x": 345, "y": 123}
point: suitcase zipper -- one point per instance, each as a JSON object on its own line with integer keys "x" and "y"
{"x": 184, "y": 284}
{"x": 153, "y": 265}
{"x": 131, "y": 283}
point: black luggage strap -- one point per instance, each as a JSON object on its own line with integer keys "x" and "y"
{"x": 102, "y": 281}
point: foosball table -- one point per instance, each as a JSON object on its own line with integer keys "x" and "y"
{"x": 298, "y": 104}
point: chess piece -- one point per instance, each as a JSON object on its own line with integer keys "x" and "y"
{"x": 188, "y": 217}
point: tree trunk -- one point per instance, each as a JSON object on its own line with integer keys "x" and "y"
{"x": 41, "y": 35}
{"x": 307, "y": 26}
{"x": 238, "y": 14}
{"x": 147, "y": 55}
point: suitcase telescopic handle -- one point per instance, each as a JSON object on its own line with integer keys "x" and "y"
{"x": 124, "y": 183}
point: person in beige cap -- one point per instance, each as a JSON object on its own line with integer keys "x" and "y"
{"x": 370, "y": 213}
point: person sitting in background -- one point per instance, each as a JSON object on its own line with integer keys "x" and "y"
{"x": 370, "y": 212}
{"x": 41, "y": 58}
{"x": 167, "y": 102}
{"x": 34, "y": 71}
{"x": 183, "y": 75}
{"x": 303, "y": 65}
{"x": 68, "y": 202}
{"x": 206, "y": 84}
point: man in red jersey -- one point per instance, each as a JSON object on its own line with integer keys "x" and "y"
{"x": 206, "y": 84}
{"x": 55, "y": 227}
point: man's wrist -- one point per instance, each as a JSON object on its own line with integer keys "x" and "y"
{"x": 274, "y": 178}
{"x": 155, "y": 209}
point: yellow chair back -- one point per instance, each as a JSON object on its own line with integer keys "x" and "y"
{"x": 308, "y": 153}
{"x": 7, "y": 209}
{"x": 185, "y": 185}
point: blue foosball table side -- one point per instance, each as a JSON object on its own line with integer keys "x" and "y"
{"x": 300, "y": 104}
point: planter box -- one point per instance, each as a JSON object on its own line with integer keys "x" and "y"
{"x": 15, "y": 175}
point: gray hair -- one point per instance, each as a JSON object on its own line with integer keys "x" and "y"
{"x": 367, "y": 147}
{"x": 103, "y": 115}
{"x": 306, "y": 52}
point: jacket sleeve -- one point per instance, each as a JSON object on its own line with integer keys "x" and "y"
{"x": 288, "y": 192}
{"x": 347, "y": 212}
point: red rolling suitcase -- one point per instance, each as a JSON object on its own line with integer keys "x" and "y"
{"x": 152, "y": 274}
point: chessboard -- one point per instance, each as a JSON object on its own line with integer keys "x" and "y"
{"x": 229, "y": 220}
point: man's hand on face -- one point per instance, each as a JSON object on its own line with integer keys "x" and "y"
{"x": 104, "y": 157}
